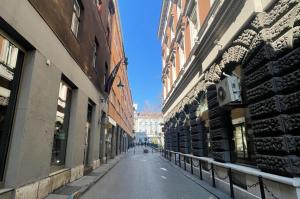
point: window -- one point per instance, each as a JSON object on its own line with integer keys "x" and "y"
{"x": 105, "y": 74}
{"x": 76, "y": 18}
{"x": 98, "y": 2}
{"x": 168, "y": 83}
{"x": 171, "y": 24}
{"x": 61, "y": 126}
{"x": 240, "y": 141}
{"x": 11, "y": 60}
{"x": 194, "y": 24}
{"x": 95, "y": 52}
{"x": 178, "y": 8}
{"x": 173, "y": 69}
{"x": 111, "y": 7}
{"x": 181, "y": 52}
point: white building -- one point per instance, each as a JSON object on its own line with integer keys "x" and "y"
{"x": 148, "y": 125}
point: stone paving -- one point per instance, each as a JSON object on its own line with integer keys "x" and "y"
{"x": 78, "y": 187}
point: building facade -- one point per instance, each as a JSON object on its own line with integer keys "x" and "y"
{"x": 148, "y": 128}
{"x": 120, "y": 106}
{"x": 230, "y": 88}
{"x": 55, "y": 58}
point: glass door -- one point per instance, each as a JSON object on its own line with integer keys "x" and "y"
{"x": 61, "y": 127}
{"x": 87, "y": 134}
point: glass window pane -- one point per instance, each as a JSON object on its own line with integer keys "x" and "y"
{"x": 10, "y": 68}
{"x": 61, "y": 125}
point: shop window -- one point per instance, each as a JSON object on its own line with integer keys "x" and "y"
{"x": 61, "y": 126}
{"x": 88, "y": 132}
{"x": 76, "y": 17}
{"x": 244, "y": 144}
{"x": 11, "y": 60}
{"x": 240, "y": 141}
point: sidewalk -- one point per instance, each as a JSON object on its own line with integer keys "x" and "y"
{"x": 78, "y": 187}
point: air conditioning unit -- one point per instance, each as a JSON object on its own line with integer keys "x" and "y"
{"x": 228, "y": 91}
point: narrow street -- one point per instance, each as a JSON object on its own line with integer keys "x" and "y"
{"x": 145, "y": 176}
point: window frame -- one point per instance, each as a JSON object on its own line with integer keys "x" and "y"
{"x": 76, "y": 17}
{"x": 95, "y": 53}
{"x": 66, "y": 122}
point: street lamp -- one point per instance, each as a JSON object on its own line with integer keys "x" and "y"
{"x": 120, "y": 85}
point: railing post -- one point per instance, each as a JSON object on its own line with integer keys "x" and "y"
{"x": 200, "y": 169}
{"x": 175, "y": 159}
{"x": 261, "y": 186}
{"x": 192, "y": 167}
{"x": 213, "y": 175}
{"x": 179, "y": 161}
{"x": 230, "y": 183}
{"x": 184, "y": 161}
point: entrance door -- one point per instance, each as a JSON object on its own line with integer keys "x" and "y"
{"x": 87, "y": 135}
{"x": 11, "y": 61}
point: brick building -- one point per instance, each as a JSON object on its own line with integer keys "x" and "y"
{"x": 230, "y": 87}
{"x": 120, "y": 106}
{"x": 55, "y": 59}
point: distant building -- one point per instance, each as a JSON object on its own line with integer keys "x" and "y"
{"x": 148, "y": 125}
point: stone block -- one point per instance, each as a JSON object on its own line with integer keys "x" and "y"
{"x": 76, "y": 173}
{"x": 28, "y": 191}
{"x": 44, "y": 188}
{"x": 59, "y": 179}
{"x": 6, "y": 194}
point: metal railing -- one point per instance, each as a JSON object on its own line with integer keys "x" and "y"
{"x": 196, "y": 162}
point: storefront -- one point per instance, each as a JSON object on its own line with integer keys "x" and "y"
{"x": 11, "y": 61}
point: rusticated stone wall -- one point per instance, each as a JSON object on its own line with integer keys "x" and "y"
{"x": 220, "y": 128}
{"x": 199, "y": 145}
{"x": 184, "y": 131}
{"x": 268, "y": 51}
{"x": 272, "y": 87}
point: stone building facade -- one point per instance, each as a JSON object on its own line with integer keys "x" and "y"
{"x": 55, "y": 58}
{"x": 257, "y": 43}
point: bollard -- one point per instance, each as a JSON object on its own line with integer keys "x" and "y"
{"x": 200, "y": 169}
{"x": 179, "y": 161}
{"x": 175, "y": 159}
{"x": 230, "y": 183}
{"x": 261, "y": 186}
{"x": 184, "y": 161}
{"x": 192, "y": 167}
{"x": 213, "y": 175}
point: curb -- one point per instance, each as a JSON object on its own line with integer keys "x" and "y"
{"x": 89, "y": 186}
{"x": 77, "y": 194}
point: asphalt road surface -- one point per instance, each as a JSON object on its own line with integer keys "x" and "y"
{"x": 145, "y": 176}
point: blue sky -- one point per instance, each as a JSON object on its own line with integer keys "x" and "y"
{"x": 140, "y": 20}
